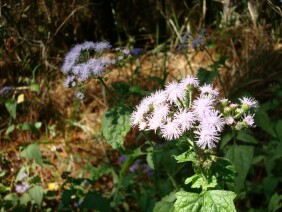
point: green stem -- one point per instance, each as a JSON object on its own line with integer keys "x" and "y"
{"x": 107, "y": 89}
{"x": 148, "y": 139}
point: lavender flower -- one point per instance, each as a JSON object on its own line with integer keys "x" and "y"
{"x": 23, "y": 175}
{"x": 79, "y": 95}
{"x": 171, "y": 130}
{"x": 197, "y": 41}
{"x": 136, "y": 51}
{"x": 82, "y": 71}
{"x": 167, "y": 112}
{"x": 248, "y": 102}
{"x": 5, "y": 90}
{"x": 175, "y": 92}
{"x": 101, "y": 46}
{"x": 207, "y": 136}
{"x": 21, "y": 188}
{"x": 249, "y": 120}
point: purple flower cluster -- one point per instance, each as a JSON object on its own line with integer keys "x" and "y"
{"x": 23, "y": 186}
{"x": 173, "y": 112}
{"x": 79, "y": 69}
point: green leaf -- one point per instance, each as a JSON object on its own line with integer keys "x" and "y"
{"x": 166, "y": 203}
{"x": 150, "y": 160}
{"x": 13, "y": 197}
{"x": 190, "y": 155}
{"x": 263, "y": 121}
{"x": 24, "y": 199}
{"x": 115, "y": 125}
{"x": 96, "y": 202}
{"x": 32, "y": 152}
{"x": 34, "y": 87}
{"x": 205, "y": 76}
{"x": 241, "y": 156}
{"x": 225, "y": 139}
{"x": 275, "y": 203}
{"x": 199, "y": 182}
{"x": 11, "y": 106}
{"x": 247, "y": 138}
{"x": 121, "y": 88}
{"x": 278, "y": 129}
{"x": 269, "y": 185}
{"x": 224, "y": 172}
{"x": 10, "y": 129}
{"x": 36, "y": 193}
{"x": 212, "y": 200}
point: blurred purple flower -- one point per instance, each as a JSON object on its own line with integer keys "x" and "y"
{"x": 21, "y": 188}
{"x": 5, "y": 90}
{"x": 122, "y": 158}
{"x": 136, "y": 51}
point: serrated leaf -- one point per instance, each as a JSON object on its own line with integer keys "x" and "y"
{"x": 186, "y": 156}
{"x": 11, "y": 106}
{"x": 199, "y": 182}
{"x": 166, "y": 204}
{"x": 115, "y": 125}
{"x": 212, "y": 200}
{"x": 32, "y": 152}
{"x": 241, "y": 156}
{"x": 13, "y": 197}
{"x": 36, "y": 193}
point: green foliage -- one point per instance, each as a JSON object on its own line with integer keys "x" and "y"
{"x": 241, "y": 156}
{"x": 115, "y": 125}
{"x": 166, "y": 203}
{"x": 32, "y": 152}
{"x": 212, "y": 200}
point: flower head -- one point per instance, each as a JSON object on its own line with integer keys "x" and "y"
{"x": 21, "y": 188}
{"x": 171, "y": 130}
{"x": 207, "y": 136}
{"x": 175, "y": 92}
{"x": 185, "y": 119}
{"x": 248, "y": 102}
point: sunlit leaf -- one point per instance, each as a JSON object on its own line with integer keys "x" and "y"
{"x": 115, "y": 125}
{"x": 212, "y": 200}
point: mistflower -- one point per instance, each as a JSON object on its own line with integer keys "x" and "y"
{"x": 202, "y": 105}
{"x": 101, "y": 46}
{"x": 175, "y": 92}
{"x": 170, "y": 130}
{"x": 213, "y": 118}
{"x": 208, "y": 90}
{"x": 156, "y": 120}
{"x": 21, "y": 188}
{"x": 184, "y": 119}
{"x": 249, "y": 120}
{"x": 190, "y": 81}
{"x": 229, "y": 120}
{"x": 5, "y": 90}
{"x": 248, "y": 102}
{"x": 23, "y": 175}
{"x": 159, "y": 97}
{"x": 207, "y": 136}
{"x": 79, "y": 95}
{"x": 197, "y": 41}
